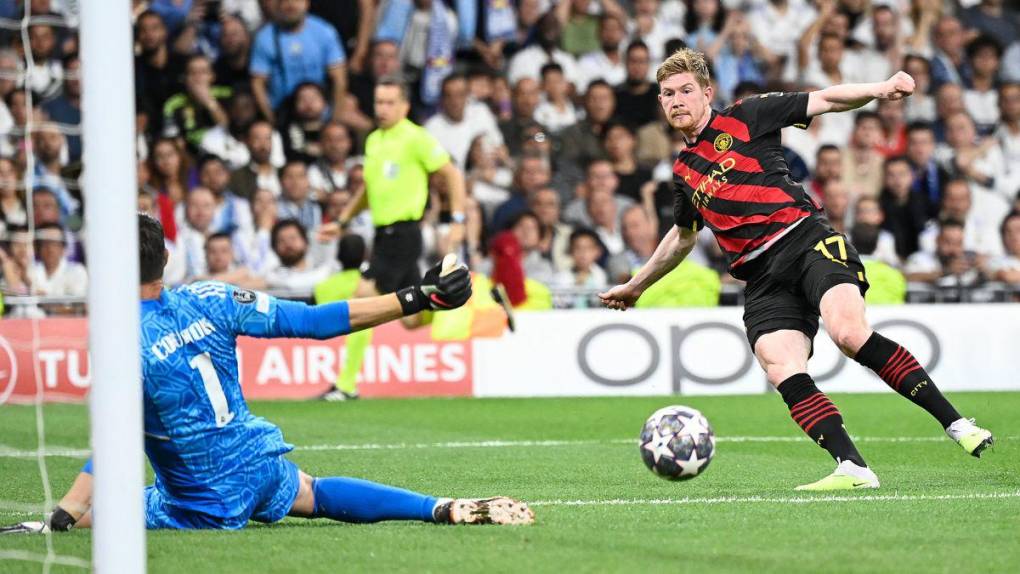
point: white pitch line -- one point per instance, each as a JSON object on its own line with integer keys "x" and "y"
{"x": 43, "y": 559}
{"x": 774, "y": 500}
{"x": 576, "y": 442}
{"x": 8, "y": 452}
{"x": 731, "y": 500}
{"x": 464, "y": 444}
{"x": 23, "y": 507}
{"x": 763, "y": 500}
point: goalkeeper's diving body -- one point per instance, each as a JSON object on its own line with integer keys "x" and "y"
{"x": 732, "y": 177}
{"x": 216, "y": 464}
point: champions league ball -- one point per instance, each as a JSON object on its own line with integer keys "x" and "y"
{"x": 677, "y": 443}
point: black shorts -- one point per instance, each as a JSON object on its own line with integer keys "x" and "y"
{"x": 395, "y": 254}
{"x": 786, "y": 283}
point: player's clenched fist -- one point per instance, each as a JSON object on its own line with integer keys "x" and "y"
{"x": 620, "y": 297}
{"x": 898, "y": 87}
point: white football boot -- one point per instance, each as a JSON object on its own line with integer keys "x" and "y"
{"x": 970, "y": 437}
{"x": 496, "y": 510}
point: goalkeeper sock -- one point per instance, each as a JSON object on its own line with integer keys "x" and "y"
{"x": 901, "y": 371}
{"x": 818, "y": 417}
{"x": 360, "y": 501}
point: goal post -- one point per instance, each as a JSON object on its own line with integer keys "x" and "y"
{"x": 110, "y": 190}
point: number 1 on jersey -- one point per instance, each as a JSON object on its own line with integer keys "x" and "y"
{"x": 213, "y": 388}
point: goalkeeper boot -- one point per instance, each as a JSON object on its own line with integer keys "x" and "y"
{"x": 497, "y": 510}
{"x": 970, "y": 437}
{"x": 848, "y": 476}
{"x": 25, "y": 528}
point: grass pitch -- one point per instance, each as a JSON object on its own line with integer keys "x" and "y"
{"x": 598, "y": 509}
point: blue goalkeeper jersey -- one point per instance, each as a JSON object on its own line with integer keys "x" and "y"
{"x": 200, "y": 437}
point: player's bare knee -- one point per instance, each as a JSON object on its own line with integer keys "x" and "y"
{"x": 776, "y": 374}
{"x": 782, "y": 354}
{"x": 849, "y": 336}
{"x": 780, "y": 365}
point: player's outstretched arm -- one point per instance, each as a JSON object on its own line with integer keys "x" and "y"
{"x": 673, "y": 248}
{"x": 845, "y": 97}
{"x": 445, "y": 286}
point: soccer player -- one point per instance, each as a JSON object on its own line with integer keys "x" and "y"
{"x": 733, "y": 178}
{"x": 216, "y": 464}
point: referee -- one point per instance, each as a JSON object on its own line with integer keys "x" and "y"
{"x": 399, "y": 157}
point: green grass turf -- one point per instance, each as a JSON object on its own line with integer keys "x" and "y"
{"x": 907, "y": 534}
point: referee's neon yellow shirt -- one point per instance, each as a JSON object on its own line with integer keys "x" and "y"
{"x": 398, "y": 162}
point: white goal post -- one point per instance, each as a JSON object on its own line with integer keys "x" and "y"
{"x": 110, "y": 188}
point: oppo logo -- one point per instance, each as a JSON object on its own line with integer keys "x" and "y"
{"x": 731, "y": 344}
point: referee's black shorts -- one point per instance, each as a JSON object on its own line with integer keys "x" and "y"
{"x": 785, "y": 284}
{"x": 396, "y": 250}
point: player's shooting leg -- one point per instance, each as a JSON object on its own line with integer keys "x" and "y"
{"x": 784, "y": 355}
{"x": 842, "y": 309}
{"x": 359, "y": 501}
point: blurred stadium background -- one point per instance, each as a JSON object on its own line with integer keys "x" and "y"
{"x": 549, "y": 111}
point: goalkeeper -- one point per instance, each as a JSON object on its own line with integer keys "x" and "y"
{"x": 216, "y": 464}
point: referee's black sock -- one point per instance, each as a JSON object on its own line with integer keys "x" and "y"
{"x": 901, "y": 371}
{"x": 819, "y": 418}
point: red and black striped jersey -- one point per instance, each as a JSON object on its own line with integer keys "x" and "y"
{"x": 734, "y": 177}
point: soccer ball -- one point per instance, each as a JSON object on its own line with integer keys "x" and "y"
{"x": 677, "y": 443}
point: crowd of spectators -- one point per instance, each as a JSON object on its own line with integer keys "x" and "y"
{"x": 252, "y": 116}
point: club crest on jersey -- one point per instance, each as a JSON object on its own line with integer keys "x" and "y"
{"x": 723, "y": 142}
{"x": 244, "y": 296}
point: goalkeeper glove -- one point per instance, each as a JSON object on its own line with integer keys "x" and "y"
{"x": 445, "y": 286}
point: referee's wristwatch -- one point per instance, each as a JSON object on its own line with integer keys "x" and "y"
{"x": 343, "y": 224}
{"x": 457, "y": 217}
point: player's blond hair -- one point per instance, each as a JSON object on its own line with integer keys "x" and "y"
{"x": 684, "y": 60}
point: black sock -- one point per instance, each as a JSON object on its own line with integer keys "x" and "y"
{"x": 901, "y": 371}
{"x": 818, "y": 417}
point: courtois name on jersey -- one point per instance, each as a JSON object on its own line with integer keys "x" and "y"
{"x": 199, "y": 434}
